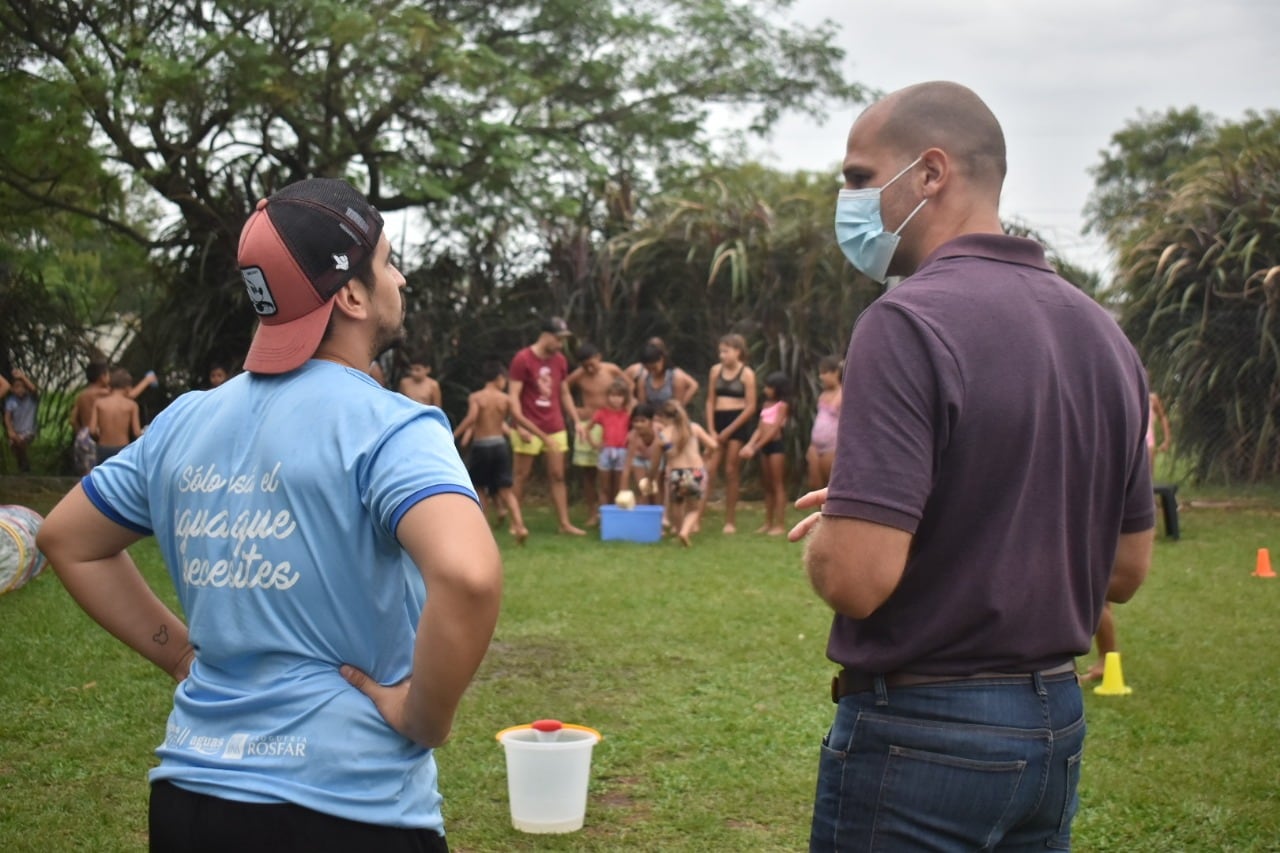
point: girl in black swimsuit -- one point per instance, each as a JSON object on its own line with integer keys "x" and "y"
{"x": 731, "y": 405}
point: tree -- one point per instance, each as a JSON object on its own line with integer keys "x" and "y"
{"x": 487, "y": 116}
{"x": 1200, "y": 283}
{"x": 1135, "y": 169}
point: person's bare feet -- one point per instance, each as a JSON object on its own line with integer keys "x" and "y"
{"x": 764, "y": 528}
{"x": 729, "y": 528}
{"x": 776, "y": 531}
{"x": 572, "y": 531}
{"x": 593, "y": 521}
{"x": 521, "y": 534}
{"x": 684, "y": 539}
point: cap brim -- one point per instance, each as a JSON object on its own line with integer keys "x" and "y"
{"x": 284, "y": 347}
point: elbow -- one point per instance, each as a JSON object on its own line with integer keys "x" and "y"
{"x": 832, "y": 583}
{"x": 51, "y": 542}
{"x": 1125, "y": 582}
{"x": 1131, "y": 564}
{"x": 47, "y": 543}
{"x": 481, "y": 587}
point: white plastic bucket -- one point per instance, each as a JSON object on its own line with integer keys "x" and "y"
{"x": 547, "y": 775}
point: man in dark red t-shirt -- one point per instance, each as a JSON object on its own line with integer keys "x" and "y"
{"x": 539, "y": 393}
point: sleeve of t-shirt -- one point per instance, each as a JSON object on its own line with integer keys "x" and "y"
{"x": 519, "y": 369}
{"x": 414, "y": 461}
{"x": 898, "y": 379}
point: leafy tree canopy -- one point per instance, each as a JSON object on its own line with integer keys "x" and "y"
{"x": 1137, "y": 165}
{"x": 167, "y": 120}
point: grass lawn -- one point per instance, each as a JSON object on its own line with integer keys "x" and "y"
{"x": 705, "y": 671}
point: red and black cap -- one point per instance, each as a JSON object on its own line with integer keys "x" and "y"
{"x": 299, "y": 247}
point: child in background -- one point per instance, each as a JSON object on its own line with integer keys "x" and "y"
{"x": 682, "y": 443}
{"x": 20, "y": 409}
{"x": 485, "y": 429}
{"x": 767, "y": 441}
{"x": 644, "y": 457}
{"x": 610, "y": 441}
{"x": 218, "y": 374}
{"x": 821, "y": 454}
{"x": 116, "y": 420}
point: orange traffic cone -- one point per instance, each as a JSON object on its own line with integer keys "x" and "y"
{"x": 1112, "y": 677}
{"x": 1264, "y": 565}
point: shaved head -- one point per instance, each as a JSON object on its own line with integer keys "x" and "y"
{"x": 947, "y": 116}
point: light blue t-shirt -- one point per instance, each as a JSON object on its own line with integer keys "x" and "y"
{"x": 23, "y": 412}
{"x": 275, "y": 501}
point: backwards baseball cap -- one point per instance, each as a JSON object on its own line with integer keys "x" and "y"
{"x": 299, "y": 247}
{"x": 556, "y": 326}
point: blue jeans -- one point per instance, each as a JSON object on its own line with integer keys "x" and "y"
{"x": 988, "y": 764}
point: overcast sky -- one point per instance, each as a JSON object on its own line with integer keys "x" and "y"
{"x": 1061, "y": 78}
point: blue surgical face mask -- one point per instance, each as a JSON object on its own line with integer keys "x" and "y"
{"x": 860, "y": 231}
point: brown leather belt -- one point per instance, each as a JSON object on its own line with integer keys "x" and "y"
{"x": 846, "y": 682}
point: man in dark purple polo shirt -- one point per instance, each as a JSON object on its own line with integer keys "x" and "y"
{"x": 991, "y": 488}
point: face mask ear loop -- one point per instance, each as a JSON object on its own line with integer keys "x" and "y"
{"x": 905, "y": 169}
{"x": 910, "y": 216}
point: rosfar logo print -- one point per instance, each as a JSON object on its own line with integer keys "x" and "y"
{"x": 259, "y": 294}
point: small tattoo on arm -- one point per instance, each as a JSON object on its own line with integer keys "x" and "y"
{"x": 162, "y": 636}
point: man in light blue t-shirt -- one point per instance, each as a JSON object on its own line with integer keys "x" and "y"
{"x": 325, "y": 544}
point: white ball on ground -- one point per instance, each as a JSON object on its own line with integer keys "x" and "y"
{"x": 626, "y": 499}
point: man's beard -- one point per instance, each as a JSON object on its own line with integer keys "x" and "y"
{"x": 389, "y": 337}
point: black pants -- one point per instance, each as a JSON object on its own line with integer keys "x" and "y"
{"x": 185, "y": 822}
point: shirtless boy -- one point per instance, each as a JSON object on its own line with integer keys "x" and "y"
{"x": 419, "y": 385}
{"x": 98, "y": 375}
{"x": 115, "y": 422}
{"x": 589, "y": 382}
{"x": 485, "y": 428}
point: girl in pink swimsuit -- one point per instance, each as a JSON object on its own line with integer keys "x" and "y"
{"x": 767, "y": 442}
{"x": 822, "y": 441}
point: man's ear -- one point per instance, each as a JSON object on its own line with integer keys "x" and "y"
{"x": 937, "y": 171}
{"x": 352, "y": 299}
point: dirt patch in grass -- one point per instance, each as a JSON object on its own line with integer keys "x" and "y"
{"x": 617, "y": 799}
{"x": 505, "y": 661}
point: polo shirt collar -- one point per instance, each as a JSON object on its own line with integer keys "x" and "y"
{"x": 995, "y": 247}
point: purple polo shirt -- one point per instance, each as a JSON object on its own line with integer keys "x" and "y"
{"x": 998, "y": 414}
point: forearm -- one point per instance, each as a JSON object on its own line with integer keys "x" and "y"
{"x": 855, "y": 565}
{"x": 115, "y": 595}
{"x": 142, "y": 384}
{"x": 517, "y": 412}
{"x": 743, "y": 418}
{"x": 464, "y": 425}
{"x": 453, "y": 635}
{"x": 571, "y": 411}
